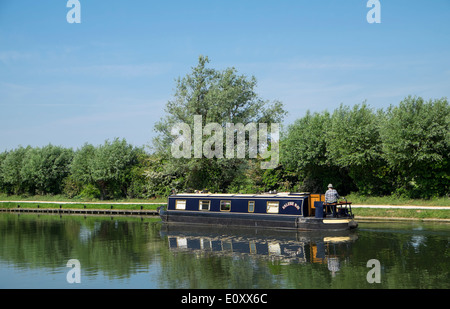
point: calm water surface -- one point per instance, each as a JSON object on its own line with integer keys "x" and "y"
{"x": 124, "y": 252}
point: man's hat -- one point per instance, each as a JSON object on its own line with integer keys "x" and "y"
{"x": 330, "y": 186}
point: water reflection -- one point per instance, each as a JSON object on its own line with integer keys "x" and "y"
{"x": 127, "y": 252}
{"x": 39, "y": 246}
{"x": 281, "y": 247}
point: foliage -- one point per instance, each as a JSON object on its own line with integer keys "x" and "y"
{"x": 108, "y": 167}
{"x": 113, "y": 170}
{"x": 403, "y": 150}
{"x": 35, "y": 170}
{"x": 416, "y": 143}
{"x": 304, "y": 153}
{"x": 11, "y": 166}
{"x": 354, "y": 144}
{"x": 43, "y": 169}
{"x": 219, "y": 97}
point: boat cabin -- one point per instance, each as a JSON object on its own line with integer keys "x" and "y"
{"x": 282, "y": 210}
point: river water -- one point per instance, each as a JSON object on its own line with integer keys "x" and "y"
{"x": 141, "y": 253}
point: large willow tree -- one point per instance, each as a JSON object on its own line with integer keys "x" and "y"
{"x": 218, "y": 96}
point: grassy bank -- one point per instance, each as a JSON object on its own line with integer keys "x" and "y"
{"x": 402, "y": 213}
{"x": 41, "y": 201}
{"x": 418, "y": 214}
{"x": 393, "y": 200}
{"x": 137, "y": 204}
{"x": 62, "y": 198}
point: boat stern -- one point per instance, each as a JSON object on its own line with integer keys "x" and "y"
{"x": 340, "y": 223}
{"x": 352, "y": 224}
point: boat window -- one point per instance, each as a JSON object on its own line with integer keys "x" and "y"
{"x": 205, "y": 244}
{"x": 204, "y": 205}
{"x": 225, "y": 205}
{"x": 272, "y": 207}
{"x": 180, "y": 204}
{"x": 251, "y": 206}
{"x": 182, "y": 242}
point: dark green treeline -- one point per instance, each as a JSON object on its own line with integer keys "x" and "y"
{"x": 401, "y": 150}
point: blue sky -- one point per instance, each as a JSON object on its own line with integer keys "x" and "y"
{"x": 111, "y": 75}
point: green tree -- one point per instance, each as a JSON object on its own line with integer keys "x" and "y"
{"x": 11, "y": 166}
{"x": 354, "y": 144}
{"x": 162, "y": 177}
{"x": 416, "y": 143}
{"x": 81, "y": 180}
{"x": 2, "y": 184}
{"x": 81, "y": 164}
{"x": 304, "y": 154}
{"x": 108, "y": 167}
{"x": 219, "y": 97}
{"x": 137, "y": 186}
{"x": 44, "y": 169}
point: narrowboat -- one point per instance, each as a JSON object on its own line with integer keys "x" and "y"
{"x": 286, "y": 210}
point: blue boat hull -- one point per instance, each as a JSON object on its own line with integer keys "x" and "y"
{"x": 292, "y": 222}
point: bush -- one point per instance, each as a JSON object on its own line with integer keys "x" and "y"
{"x": 416, "y": 144}
{"x": 90, "y": 191}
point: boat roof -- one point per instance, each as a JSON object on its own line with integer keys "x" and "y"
{"x": 238, "y": 195}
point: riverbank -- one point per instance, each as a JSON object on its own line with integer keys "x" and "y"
{"x": 402, "y": 212}
{"x": 369, "y": 212}
{"x": 393, "y": 200}
{"x": 83, "y": 211}
{"x": 78, "y": 205}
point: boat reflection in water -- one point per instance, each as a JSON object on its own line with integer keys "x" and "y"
{"x": 283, "y": 247}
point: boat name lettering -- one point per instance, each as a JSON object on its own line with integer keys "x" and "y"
{"x": 291, "y": 204}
